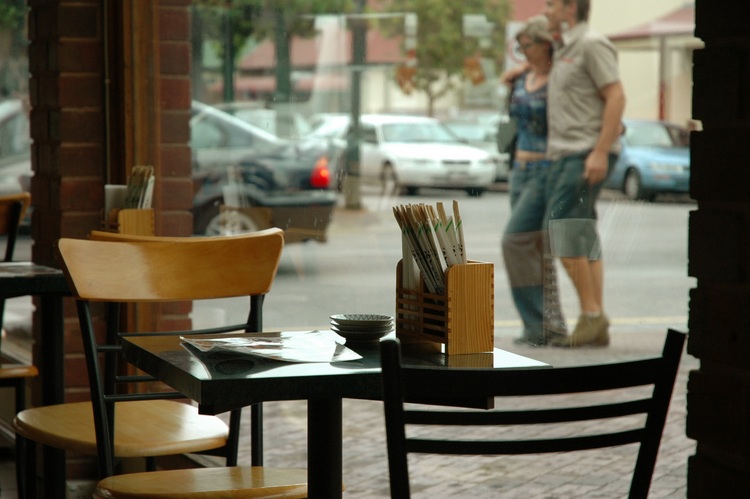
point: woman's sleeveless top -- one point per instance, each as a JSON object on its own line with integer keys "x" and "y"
{"x": 530, "y": 112}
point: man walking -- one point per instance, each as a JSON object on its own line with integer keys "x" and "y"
{"x": 586, "y": 103}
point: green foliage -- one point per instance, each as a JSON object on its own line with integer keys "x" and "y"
{"x": 297, "y": 15}
{"x": 213, "y": 14}
{"x": 11, "y": 15}
{"x": 442, "y": 47}
{"x": 257, "y": 19}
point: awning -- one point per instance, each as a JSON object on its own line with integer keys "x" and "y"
{"x": 261, "y": 85}
{"x": 672, "y": 31}
{"x": 676, "y": 27}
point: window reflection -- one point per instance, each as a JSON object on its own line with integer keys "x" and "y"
{"x": 15, "y": 139}
{"x": 307, "y": 174}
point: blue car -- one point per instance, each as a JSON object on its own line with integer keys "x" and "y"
{"x": 655, "y": 158}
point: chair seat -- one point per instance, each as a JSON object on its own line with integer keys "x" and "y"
{"x": 228, "y": 483}
{"x": 145, "y": 428}
{"x": 12, "y": 371}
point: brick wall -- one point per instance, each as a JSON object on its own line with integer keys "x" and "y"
{"x": 719, "y": 254}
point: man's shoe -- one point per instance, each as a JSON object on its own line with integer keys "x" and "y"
{"x": 530, "y": 342}
{"x": 589, "y": 332}
{"x": 555, "y": 327}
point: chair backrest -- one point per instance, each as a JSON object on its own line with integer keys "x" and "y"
{"x": 405, "y": 383}
{"x": 148, "y": 269}
{"x": 172, "y": 269}
{"x": 12, "y": 210}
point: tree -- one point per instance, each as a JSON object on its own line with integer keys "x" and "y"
{"x": 443, "y": 51}
{"x": 14, "y": 71}
{"x": 278, "y": 20}
{"x": 12, "y": 13}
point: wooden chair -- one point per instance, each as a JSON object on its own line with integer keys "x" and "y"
{"x": 13, "y": 374}
{"x": 254, "y": 323}
{"x": 439, "y": 384}
{"x": 124, "y": 423}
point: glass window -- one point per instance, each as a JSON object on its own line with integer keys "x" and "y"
{"x": 649, "y": 134}
{"x": 15, "y": 139}
{"x": 295, "y": 76}
{"x": 274, "y": 93}
{"x": 369, "y": 134}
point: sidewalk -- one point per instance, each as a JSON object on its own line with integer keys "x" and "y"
{"x": 591, "y": 474}
{"x": 600, "y": 474}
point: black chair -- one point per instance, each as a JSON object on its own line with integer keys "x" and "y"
{"x": 12, "y": 210}
{"x": 408, "y": 383}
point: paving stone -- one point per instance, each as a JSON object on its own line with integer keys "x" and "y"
{"x": 592, "y": 474}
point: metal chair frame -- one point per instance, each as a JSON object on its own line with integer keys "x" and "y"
{"x": 432, "y": 384}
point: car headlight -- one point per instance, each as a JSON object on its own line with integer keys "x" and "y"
{"x": 488, "y": 161}
{"x": 666, "y": 167}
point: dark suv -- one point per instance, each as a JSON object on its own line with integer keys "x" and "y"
{"x": 248, "y": 179}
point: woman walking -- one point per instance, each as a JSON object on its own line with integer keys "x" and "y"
{"x": 525, "y": 244}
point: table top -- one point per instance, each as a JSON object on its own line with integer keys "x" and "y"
{"x": 28, "y": 278}
{"x": 212, "y": 378}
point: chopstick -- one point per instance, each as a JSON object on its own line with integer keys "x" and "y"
{"x": 432, "y": 240}
{"x": 460, "y": 230}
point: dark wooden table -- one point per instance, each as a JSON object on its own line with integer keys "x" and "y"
{"x": 221, "y": 381}
{"x": 48, "y": 283}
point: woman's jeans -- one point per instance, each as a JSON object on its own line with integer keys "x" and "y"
{"x": 525, "y": 245}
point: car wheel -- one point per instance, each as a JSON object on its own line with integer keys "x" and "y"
{"x": 633, "y": 187}
{"x": 212, "y": 221}
{"x": 230, "y": 222}
{"x": 475, "y": 191}
{"x": 388, "y": 180}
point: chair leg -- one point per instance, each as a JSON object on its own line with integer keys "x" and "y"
{"x": 27, "y": 488}
{"x": 21, "y": 443}
{"x": 232, "y": 447}
{"x": 54, "y": 471}
{"x": 256, "y": 434}
{"x": 20, "y": 466}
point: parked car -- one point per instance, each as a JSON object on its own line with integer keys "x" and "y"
{"x": 655, "y": 158}
{"x": 405, "y": 153}
{"x": 284, "y": 123}
{"x": 482, "y": 134}
{"x": 248, "y": 179}
{"x": 245, "y": 178}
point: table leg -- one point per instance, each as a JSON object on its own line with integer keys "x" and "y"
{"x": 324, "y": 453}
{"x": 52, "y": 349}
{"x": 52, "y": 370}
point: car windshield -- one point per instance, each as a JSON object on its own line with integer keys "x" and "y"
{"x": 649, "y": 135}
{"x": 470, "y": 131}
{"x": 417, "y": 132}
{"x": 213, "y": 129}
{"x": 329, "y": 129}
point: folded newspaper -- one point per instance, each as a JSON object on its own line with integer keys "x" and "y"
{"x": 289, "y": 346}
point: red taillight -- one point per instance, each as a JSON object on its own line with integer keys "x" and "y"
{"x": 321, "y": 175}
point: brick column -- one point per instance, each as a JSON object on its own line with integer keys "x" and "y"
{"x": 719, "y": 254}
{"x": 102, "y": 73}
